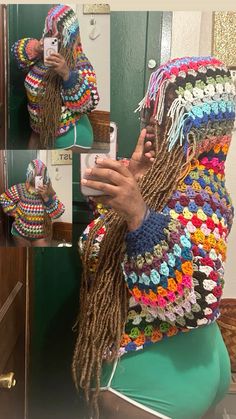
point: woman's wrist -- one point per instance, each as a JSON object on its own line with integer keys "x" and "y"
{"x": 137, "y": 219}
{"x": 47, "y": 198}
{"x": 66, "y": 74}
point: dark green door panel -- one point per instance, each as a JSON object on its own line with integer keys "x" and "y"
{"x": 17, "y": 162}
{"x": 24, "y": 20}
{"x": 135, "y": 38}
{"x": 55, "y": 306}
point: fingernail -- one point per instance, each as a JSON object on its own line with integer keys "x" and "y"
{"x": 84, "y": 181}
{"x": 88, "y": 171}
{"x": 99, "y": 160}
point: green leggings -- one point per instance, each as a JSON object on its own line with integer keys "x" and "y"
{"x": 180, "y": 377}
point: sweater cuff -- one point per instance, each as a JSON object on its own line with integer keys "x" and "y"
{"x": 148, "y": 234}
{"x": 49, "y": 202}
{"x": 72, "y": 80}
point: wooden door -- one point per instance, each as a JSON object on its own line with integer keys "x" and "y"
{"x": 2, "y": 78}
{"x": 13, "y": 332}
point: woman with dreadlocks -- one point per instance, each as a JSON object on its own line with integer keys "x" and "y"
{"x": 62, "y": 89}
{"x": 148, "y": 343}
{"x": 33, "y": 207}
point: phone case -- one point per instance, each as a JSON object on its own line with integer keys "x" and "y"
{"x": 38, "y": 181}
{"x": 50, "y": 46}
{"x": 88, "y": 160}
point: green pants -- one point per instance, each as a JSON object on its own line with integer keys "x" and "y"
{"x": 180, "y": 377}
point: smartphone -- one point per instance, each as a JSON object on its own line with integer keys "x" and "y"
{"x": 50, "y": 46}
{"x": 38, "y": 182}
{"x": 88, "y": 160}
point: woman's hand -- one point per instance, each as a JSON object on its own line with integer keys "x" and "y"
{"x": 45, "y": 192}
{"x": 144, "y": 153}
{"x": 120, "y": 189}
{"x": 58, "y": 63}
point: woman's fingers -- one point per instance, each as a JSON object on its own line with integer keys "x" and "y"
{"x": 56, "y": 56}
{"x": 52, "y": 62}
{"x": 141, "y": 140}
{"x": 149, "y": 151}
{"x": 113, "y": 165}
{"x": 106, "y": 188}
{"x": 104, "y": 175}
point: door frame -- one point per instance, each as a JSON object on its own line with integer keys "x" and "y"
{"x": 3, "y": 71}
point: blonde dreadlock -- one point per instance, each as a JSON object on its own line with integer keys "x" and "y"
{"x": 104, "y": 301}
{"x": 51, "y": 101}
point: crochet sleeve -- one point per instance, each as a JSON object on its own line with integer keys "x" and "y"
{"x": 54, "y": 207}
{"x": 158, "y": 268}
{"x": 9, "y": 199}
{"x": 79, "y": 92}
{"x": 24, "y": 53}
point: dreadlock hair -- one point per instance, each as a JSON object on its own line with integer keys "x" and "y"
{"x": 104, "y": 300}
{"x": 51, "y": 101}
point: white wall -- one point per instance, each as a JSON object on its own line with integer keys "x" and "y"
{"x": 192, "y": 35}
{"x": 97, "y": 51}
{"x": 61, "y": 182}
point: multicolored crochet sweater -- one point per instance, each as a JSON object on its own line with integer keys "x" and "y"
{"x": 29, "y": 210}
{"x": 174, "y": 262}
{"x": 79, "y": 93}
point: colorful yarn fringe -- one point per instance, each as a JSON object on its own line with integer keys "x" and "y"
{"x": 203, "y": 96}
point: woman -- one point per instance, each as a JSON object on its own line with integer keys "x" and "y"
{"x": 32, "y": 207}
{"x": 148, "y": 343}
{"x": 60, "y": 90}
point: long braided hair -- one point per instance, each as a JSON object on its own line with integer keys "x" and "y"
{"x": 50, "y": 100}
{"x": 104, "y": 302}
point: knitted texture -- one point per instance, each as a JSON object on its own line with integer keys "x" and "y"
{"x": 79, "y": 93}
{"x": 174, "y": 262}
{"x": 29, "y": 210}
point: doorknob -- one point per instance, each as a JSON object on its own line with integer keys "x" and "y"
{"x": 152, "y": 63}
{"x": 7, "y": 380}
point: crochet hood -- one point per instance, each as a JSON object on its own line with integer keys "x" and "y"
{"x": 62, "y": 20}
{"x": 203, "y": 108}
{"x": 37, "y": 168}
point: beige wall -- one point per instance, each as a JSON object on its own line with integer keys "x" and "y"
{"x": 61, "y": 177}
{"x": 97, "y": 51}
{"x": 192, "y": 35}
